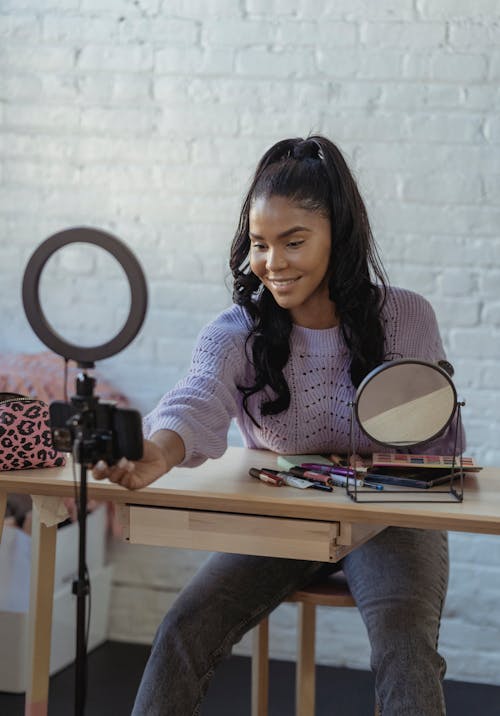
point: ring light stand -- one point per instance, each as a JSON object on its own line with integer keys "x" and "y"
{"x": 404, "y": 404}
{"x": 81, "y": 428}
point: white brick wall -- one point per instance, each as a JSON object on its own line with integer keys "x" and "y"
{"x": 146, "y": 119}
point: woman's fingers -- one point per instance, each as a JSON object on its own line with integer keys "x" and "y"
{"x": 114, "y": 473}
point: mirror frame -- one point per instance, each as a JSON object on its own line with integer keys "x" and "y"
{"x": 386, "y": 366}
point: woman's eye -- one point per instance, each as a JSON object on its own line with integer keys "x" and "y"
{"x": 295, "y": 244}
{"x": 258, "y": 247}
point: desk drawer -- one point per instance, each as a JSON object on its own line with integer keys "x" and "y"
{"x": 240, "y": 534}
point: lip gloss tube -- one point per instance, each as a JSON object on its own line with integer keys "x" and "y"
{"x": 312, "y": 475}
{"x": 333, "y": 470}
{"x": 265, "y": 476}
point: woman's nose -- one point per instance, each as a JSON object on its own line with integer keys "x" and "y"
{"x": 275, "y": 260}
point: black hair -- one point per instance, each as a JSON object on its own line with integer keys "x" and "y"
{"x": 313, "y": 174}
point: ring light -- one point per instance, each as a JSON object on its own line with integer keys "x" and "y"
{"x": 84, "y": 355}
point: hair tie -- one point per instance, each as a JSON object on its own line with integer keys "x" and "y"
{"x": 306, "y": 149}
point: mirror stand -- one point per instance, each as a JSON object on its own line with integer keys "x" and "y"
{"x": 454, "y": 493}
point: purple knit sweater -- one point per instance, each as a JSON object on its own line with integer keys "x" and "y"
{"x": 200, "y": 407}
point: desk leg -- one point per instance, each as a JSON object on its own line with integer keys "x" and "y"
{"x": 43, "y": 555}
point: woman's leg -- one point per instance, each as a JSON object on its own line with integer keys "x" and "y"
{"x": 399, "y": 581}
{"x": 229, "y": 595}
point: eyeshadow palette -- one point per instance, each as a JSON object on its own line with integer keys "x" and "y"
{"x": 386, "y": 459}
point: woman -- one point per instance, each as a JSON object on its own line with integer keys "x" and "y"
{"x": 312, "y": 315}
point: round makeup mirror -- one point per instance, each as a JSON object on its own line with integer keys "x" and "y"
{"x": 405, "y": 402}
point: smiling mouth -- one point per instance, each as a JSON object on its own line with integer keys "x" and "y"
{"x": 282, "y": 282}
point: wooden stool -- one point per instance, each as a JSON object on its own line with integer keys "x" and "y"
{"x": 332, "y": 591}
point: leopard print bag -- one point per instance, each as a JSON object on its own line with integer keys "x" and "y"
{"x": 25, "y": 437}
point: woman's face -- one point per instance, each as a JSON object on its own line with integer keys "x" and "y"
{"x": 290, "y": 252}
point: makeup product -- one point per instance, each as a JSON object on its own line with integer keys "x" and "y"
{"x": 314, "y": 475}
{"x": 387, "y": 459}
{"x": 332, "y": 478}
{"x": 287, "y": 461}
{"x": 329, "y": 469}
{"x": 266, "y": 476}
{"x": 404, "y": 477}
{"x": 293, "y": 481}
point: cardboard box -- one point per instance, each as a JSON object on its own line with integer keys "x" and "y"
{"x": 14, "y": 598}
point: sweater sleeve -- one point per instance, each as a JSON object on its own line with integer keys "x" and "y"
{"x": 416, "y": 335}
{"x": 200, "y": 406}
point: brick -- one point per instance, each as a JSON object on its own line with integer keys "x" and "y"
{"x": 190, "y": 121}
{"x": 34, "y": 5}
{"x": 361, "y": 10}
{"x": 61, "y": 88}
{"x": 449, "y": 9}
{"x": 445, "y": 66}
{"x": 159, "y": 29}
{"x": 238, "y": 33}
{"x": 494, "y": 65}
{"x": 143, "y": 150}
{"x": 399, "y": 95}
{"x": 327, "y": 33}
{"x": 444, "y": 96}
{"x": 457, "y": 311}
{"x": 492, "y": 129}
{"x": 481, "y": 97}
{"x": 194, "y": 60}
{"x": 129, "y": 58}
{"x": 430, "y": 157}
{"x": 231, "y": 151}
{"x": 379, "y": 183}
{"x": 492, "y": 188}
{"x": 261, "y": 62}
{"x": 270, "y": 7}
{"x": 15, "y": 200}
{"x": 75, "y": 29}
{"x": 474, "y": 343}
{"x": 278, "y": 125}
{"x": 176, "y": 89}
{"x": 337, "y": 63}
{"x": 20, "y": 86}
{"x": 190, "y": 179}
{"x": 462, "y": 67}
{"x": 403, "y": 34}
{"x": 126, "y": 7}
{"x": 449, "y": 188}
{"x": 446, "y": 127}
{"x": 18, "y": 144}
{"x": 117, "y": 177}
{"x": 416, "y": 279}
{"x": 36, "y": 173}
{"x": 122, "y": 89}
{"x": 490, "y": 377}
{"x": 358, "y": 125}
{"x": 475, "y": 34}
{"x": 103, "y": 120}
{"x": 62, "y": 117}
{"x": 38, "y": 58}
{"x": 200, "y": 8}
{"x": 19, "y": 28}
{"x": 489, "y": 281}
{"x": 383, "y": 63}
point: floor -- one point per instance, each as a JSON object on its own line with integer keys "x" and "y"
{"x": 115, "y": 669}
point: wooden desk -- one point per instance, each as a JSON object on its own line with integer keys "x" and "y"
{"x": 218, "y": 507}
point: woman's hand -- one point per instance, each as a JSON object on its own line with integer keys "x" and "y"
{"x": 134, "y": 475}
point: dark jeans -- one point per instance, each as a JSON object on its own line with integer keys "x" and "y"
{"x": 399, "y": 581}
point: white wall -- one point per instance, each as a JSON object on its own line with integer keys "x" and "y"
{"x": 146, "y": 119}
